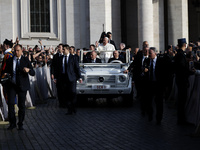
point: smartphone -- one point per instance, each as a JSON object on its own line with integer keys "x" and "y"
{"x": 198, "y": 53}
{"x": 191, "y": 65}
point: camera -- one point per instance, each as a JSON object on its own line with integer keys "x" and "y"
{"x": 5, "y": 79}
{"x": 198, "y": 53}
{"x": 191, "y": 65}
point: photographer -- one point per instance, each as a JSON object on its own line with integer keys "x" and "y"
{"x": 157, "y": 79}
{"x": 1, "y": 55}
{"x": 25, "y": 53}
{"x": 40, "y": 61}
{"x": 139, "y": 68}
{"x": 48, "y": 57}
{"x": 182, "y": 72}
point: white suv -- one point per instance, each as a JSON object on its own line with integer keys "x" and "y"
{"x": 106, "y": 80}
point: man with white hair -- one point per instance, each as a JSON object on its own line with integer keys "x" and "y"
{"x": 122, "y": 48}
{"x": 105, "y": 46}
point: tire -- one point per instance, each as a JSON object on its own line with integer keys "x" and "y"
{"x": 128, "y": 99}
{"x": 82, "y": 100}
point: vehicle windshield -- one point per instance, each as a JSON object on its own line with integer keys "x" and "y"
{"x": 104, "y": 57}
{"x": 117, "y": 66}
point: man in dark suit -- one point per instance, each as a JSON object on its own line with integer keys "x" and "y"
{"x": 131, "y": 53}
{"x": 93, "y": 58}
{"x": 157, "y": 81}
{"x": 109, "y": 35}
{"x": 116, "y": 57}
{"x": 55, "y": 62}
{"x": 182, "y": 74}
{"x": 139, "y": 69}
{"x": 18, "y": 67}
{"x": 67, "y": 74}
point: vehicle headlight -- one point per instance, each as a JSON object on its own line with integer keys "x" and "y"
{"x": 82, "y": 70}
{"x": 83, "y": 78}
{"x": 122, "y": 78}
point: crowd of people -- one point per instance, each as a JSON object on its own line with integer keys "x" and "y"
{"x": 153, "y": 73}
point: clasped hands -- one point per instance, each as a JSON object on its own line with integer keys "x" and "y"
{"x": 26, "y": 69}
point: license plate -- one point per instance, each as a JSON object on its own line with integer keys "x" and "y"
{"x": 99, "y": 87}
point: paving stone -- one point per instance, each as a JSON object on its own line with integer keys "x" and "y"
{"x": 97, "y": 127}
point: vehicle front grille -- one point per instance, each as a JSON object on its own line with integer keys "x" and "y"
{"x": 96, "y": 79}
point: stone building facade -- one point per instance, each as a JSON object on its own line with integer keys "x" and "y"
{"x": 81, "y": 22}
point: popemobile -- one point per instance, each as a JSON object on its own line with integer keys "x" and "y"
{"x": 106, "y": 80}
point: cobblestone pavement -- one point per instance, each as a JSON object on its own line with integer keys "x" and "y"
{"x": 97, "y": 127}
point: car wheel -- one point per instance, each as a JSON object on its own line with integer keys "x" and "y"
{"x": 128, "y": 99}
{"x": 82, "y": 100}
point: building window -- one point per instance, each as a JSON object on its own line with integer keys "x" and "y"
{"x": 40, "y": 16}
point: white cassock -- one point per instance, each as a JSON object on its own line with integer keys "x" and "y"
{"x": 105, "y": 56}
{"x": 4, "y": 109}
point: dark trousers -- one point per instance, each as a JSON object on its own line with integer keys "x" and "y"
{"x": 68, "y": 93}
{"x": 59, "y": 93}
{"x": 12, "y": 92}
{"x": 182, "y": 97}
{"x": 142, "y": 89}
{"x": 156, "y": 93}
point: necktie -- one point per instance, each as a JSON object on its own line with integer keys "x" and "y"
{"x": 17, "y": 66}
{"x": 65, "y": 64}
{"x": 143, "y": 60}
{"x": 144, "y": 63}
{"x": 151, "y": 71}
{"x": 17, "y": 72}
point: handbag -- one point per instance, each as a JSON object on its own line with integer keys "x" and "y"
{"x": 5, "y": 79}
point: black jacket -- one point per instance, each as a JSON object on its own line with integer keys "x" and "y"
{"x": 113, "y": 43}
{"x": 137, "y": 68}
{"x": 120, "y": 59}
{"x": 24, "y": 83}
{"x": 55, "y": 62}
{"x": 73, "y": 69}
{"x": 161, "y": 71}
{"x": 181, "y": 67}
{"x": 90, "y": 60}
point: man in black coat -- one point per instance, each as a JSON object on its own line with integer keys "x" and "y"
{"x": 157, "y": 74}
{"x": 116, "y": 57}
{"x": 67, "y": 74}
{"x": 18, "y": 67}
{"x": 139, "y": 68}
{"x": 182, "y": 74}
{"x": 93, "y": 58}
{"x": 109, "y": 35}
{"x": 55, "y": 62}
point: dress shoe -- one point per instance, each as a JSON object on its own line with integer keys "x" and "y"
{"x": 184, "y": 123}
{"x": 74, "y": 111}
{"x": 150, "y": 118}
{"x": 158, "y": 122}
{"x": 69, "y": 113}
{"x": 20, "y": 128}
{"x": 11, "y": 127}
{"x": 143, "y": 113}
{"x": 62, "y": 106}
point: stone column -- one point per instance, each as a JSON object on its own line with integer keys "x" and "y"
{"x": 116, "y": 22}
{"x": 72, "y": 23}
{"x": 77, "y": 23}
{"x": 6, "y": 16}
{"x": 177, "y": 20}
{"x": 159, "y": 26}
{"x": 100, "y": 14}
{"x": 145, "y": 22}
